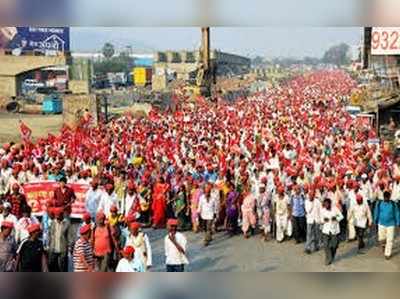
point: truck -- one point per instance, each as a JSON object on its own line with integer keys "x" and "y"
{"x": 142, "y": 76}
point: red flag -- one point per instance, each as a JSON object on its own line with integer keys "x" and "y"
{"x": 25, "y": 131}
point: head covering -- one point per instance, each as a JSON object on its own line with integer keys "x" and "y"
{"x": 33, "y": 228}
{"x": 131, "y": 185}
{"x": 6, "y": 205}
{"x": 128, "y": 250}
{"x": 134, "y": 225}
{"x": 172, "y": 222}
{"x": 7, "y": 224}
{"x": 85, "y": 229}
{"x": 58, "y": 211}
{"x": 86, "y": 216}
{"x": 108, "y": 187}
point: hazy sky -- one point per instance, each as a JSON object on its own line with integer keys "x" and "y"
{"x": 265, "y": 41}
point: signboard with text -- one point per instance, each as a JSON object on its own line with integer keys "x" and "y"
{"x": 38, "y": 194}
{"x": 47, "y": 40}
{"x": 385, "y": 41}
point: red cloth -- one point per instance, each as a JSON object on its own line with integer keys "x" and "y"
{"x": 64, "y": 199}
{"x": 159, "y": 205}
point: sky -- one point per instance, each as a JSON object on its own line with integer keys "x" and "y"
{"x": 250, "y": 41}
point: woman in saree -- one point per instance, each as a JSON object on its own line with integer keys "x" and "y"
{"x": 159, "y": 204}
{"x": 232, "y": 210}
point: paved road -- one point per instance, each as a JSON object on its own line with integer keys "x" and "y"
{"x": 240, "y": 255}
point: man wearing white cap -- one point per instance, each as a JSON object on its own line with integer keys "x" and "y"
{"x": 6, "y": 215}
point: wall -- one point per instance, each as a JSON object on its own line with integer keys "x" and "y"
{"x": 75, "y": 105}
{"x": 8, "y": 86}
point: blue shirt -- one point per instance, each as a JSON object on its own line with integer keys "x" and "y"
{"x": 92, "y": 201}
{"x": 387, "y": 214}
{"x": 297, "y": 203}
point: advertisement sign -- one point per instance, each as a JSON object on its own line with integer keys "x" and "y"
{"x": 385, "y": 41}
{"x": 46, "y": 40}
{"x": 38, "y": 194}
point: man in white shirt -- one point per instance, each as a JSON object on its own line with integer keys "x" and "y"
{"x": 131, "y": 200}
{"x": 129, "y": 263}
{"x": 7, "y": 216}
{"x": 207, "y": 210}
{"x": 360, "y": 215}
{"x": 175, "y": 248}
{"x": 313, "y": 215}
{"x": 107, "y": 200}
{"x": 330, "y": 216}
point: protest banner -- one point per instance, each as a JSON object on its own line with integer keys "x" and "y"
{"x": 38, "y": 194}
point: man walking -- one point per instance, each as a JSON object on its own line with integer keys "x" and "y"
{"x": 175, "y": 248}
{"x": 360, "y": 215}
{"x": 208, "y": 211}
{"x": 387, "y": 217}
{"x": 331, "y": 216}
{"x": 129, "y": 263}
{"x": 31, "y": 256}
{"x": 297, "y": 203}
{"x": 61, "y": 239}
{"x": 313, "y": 215}
{"x": 8, "y": 248}
{"x": 83, "y": 253}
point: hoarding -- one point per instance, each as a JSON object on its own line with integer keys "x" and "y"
{"x": 47, "y": 40}
{"x": 385, "y": 41}
{"x": 38, "y": 194}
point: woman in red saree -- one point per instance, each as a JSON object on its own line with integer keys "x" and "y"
{"x": 159, "y": 204}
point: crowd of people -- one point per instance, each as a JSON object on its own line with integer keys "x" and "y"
{"x": 287, "y": 163}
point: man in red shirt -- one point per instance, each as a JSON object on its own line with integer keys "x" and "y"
{"x": 64, "y": 196}
{"x": 17, "y": 201}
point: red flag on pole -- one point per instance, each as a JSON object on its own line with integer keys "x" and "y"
{"x": 25, "y": 131}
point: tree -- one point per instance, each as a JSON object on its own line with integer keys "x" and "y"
{"x": 338, "y": 55}
{"x": 108, "y": 50}
{"x": 115, "y": 64}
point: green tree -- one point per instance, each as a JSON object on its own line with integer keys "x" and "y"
{"x": 337, "y": 55}
{"x": 108, "y": 50}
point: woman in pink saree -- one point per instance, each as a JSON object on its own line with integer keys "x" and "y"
{"x": 194, "y": 200}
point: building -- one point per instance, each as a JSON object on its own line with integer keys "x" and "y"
{"x": 184, "y": 64}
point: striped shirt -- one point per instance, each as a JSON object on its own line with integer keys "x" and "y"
{"x": 83, "y": 256}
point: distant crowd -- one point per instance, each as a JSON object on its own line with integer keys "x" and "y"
{"x": 286, "y": 163}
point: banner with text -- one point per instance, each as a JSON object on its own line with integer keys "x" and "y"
{"x": 38, "y": 194}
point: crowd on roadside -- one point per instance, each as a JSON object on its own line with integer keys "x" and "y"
{"x": 288, "y": 163}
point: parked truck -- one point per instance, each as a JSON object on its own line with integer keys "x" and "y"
{"x": 142, "y": 76}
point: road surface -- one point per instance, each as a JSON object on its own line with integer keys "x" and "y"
{"x": 239, "y": 255}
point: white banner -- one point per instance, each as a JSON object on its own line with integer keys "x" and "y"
{"x": 385, "y": 41}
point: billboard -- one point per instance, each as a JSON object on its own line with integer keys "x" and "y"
{"x": 47, "y": 40}
{"x": 385, "y": 41}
